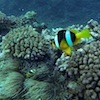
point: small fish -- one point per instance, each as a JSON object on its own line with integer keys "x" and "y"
{"x": 66, "y": 39}
{"x": 30, "y": 73}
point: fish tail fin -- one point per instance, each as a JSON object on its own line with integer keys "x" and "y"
{"x": 85, "y": 33}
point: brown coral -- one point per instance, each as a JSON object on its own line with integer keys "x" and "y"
{"x": 25, "y": 42}
{"x": 83, "y": 68}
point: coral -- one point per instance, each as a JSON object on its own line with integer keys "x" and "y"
{"x": 62, "y": 62}
{"x": 94, "y": 26}
{"x": 30, "y": 15}
{"x": 10, "y": 84}
{"x": 4, "y": 22}
{"x": 11, "y": 22}
{"x": 76, "y": 27}
{"x": 26, "y": 43}
{"x": 83, "y": 69}
{"x": 29, "y": 19}
{"x": 2, "y": 16}
{"x": 30, "y": 69}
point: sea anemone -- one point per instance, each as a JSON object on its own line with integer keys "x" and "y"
{"x": 11, "y": 84}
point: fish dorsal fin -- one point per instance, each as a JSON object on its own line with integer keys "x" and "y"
{"x": 85, "y": 33}
{"x": 74, "y": 31}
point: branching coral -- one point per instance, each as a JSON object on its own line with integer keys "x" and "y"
{"x": 26, "y": 43}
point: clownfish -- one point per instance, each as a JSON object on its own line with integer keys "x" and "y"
{"x": 66, "y": 39}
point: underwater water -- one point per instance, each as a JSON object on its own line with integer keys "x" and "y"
{"x": 49, "y": 50}
{"x": 55, "y": 13}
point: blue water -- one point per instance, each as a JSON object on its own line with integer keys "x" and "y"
{"x": 55, "y": 13}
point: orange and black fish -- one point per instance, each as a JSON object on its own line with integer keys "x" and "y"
{"x": 66, "y": 39}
